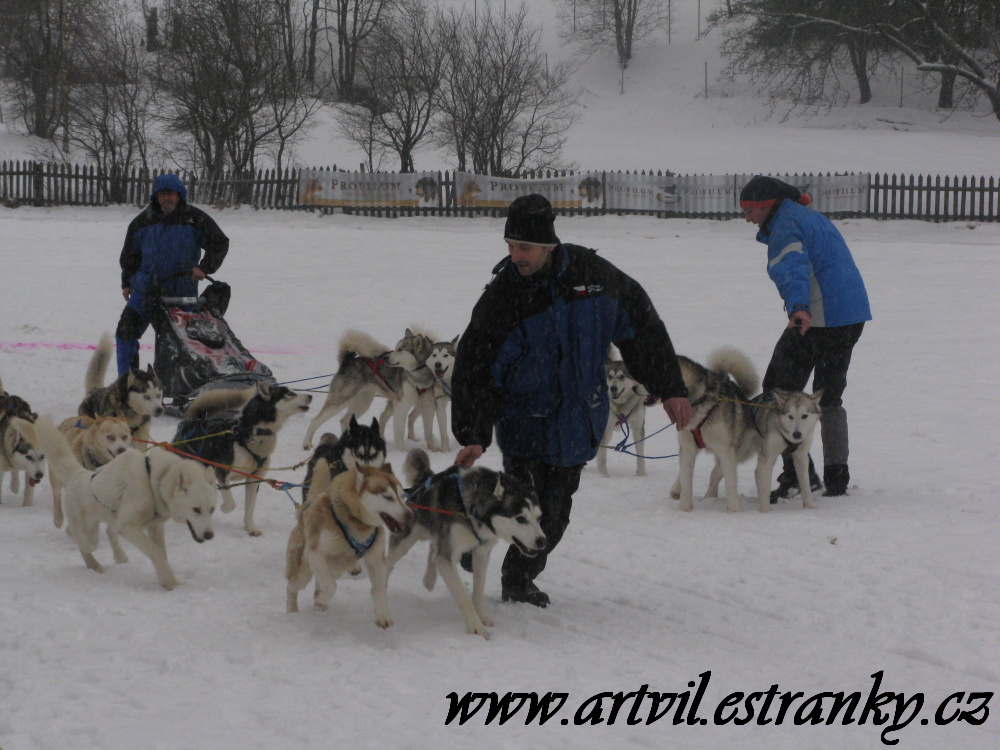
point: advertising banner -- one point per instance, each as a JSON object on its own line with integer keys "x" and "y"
{"x": 322, "y": 188}
{"x": 583, "y": 190}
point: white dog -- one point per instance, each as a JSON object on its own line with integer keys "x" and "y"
{"x": 134, "y": 495}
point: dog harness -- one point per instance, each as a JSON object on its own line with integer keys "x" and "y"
{"x": 374, "y": 364}
{"x": 696, "y": 430}
{"x": 453, "y": 473}
{"x": 359, "y": 547}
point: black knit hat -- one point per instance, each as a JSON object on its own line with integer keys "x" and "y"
{"x": 764, "y": 191}
{"x": 530, "y": 218}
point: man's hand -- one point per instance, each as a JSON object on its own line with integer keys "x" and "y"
{"x": 679, "y": 410}
{"x": 801, "y": 320}
{"x": 468, "y": 455}
{"x": 126, "y": 292}
{"x": 197, "y": 274}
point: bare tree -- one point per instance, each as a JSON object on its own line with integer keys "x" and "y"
{"x": 802, "y": 65}
{"x": 111, "y": 113}
{"x": 230, "y": 96}
{"x": 597, "y": 24}
{"x": 403, "y": 70}
{"x": 39, "y": 42}
{"x": 931, "y": 33}
{"x": 504, "y": 110}
{"x": 354, "y": 21}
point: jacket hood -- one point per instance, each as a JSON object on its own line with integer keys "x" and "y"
{"x": 169, "y": 182}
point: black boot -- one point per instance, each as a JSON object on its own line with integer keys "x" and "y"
{"x": 836, "y": 477}
{"x": 526, "y": 592}
{"x": 788, "y": 483}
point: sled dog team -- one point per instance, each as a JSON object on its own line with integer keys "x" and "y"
{"x": 352, "y": 499}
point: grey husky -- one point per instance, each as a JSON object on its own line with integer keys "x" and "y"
{"x": 137, "y": 395}
{"x": 238, "y": 429}
{"x": 466, "y": 510}
{"x": 366, "y": 369}
{"x": 441, "y": 363}
{"x": 735, "y": 427}
{"x": 627, "y": 408}
{"x": 17, "y": 452}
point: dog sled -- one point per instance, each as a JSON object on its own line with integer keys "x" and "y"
{"x": 195, "y": 348}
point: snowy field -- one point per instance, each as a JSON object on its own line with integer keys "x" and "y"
{"x": 900, "y": 579}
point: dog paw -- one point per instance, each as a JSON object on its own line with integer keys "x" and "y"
{"x": 675, "y": 495}
{"x": 687, "y": 508}
{"x": 121, "y": 559}
{"x": 487, "y": 620}
{"x": 169, "y": 583}
{"x": 228, "y": 506}
{"x": 808, "y": 504}
{"x": 320, "y": 607}
{"x": 254, "y": 532}
{"x": 479, "y": 630}
{"x": 384, "y": 622}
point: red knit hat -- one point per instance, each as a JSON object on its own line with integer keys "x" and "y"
{"x": 761, "y": 192}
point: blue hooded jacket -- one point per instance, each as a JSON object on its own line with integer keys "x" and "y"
{"x": 161, "y": 249}
{"x": 531, "y": 362}
{"x": 810, "y": 263}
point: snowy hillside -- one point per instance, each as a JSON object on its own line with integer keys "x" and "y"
{"x": 663, "y": 120}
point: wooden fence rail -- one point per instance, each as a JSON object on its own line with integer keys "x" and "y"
{"x": 927, "y": 197}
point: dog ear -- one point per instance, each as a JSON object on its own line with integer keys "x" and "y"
{"x": 498, "y": 490}
{"x": 263, "y": 390}
{"x": 408, "y": 334}
{"x": 780, "y": 396}
{"x": 454, "y": 341}
{"x": 817, "y": 395}
{"x": 353, "y": 424}
{"x": 375, "y": 424}
{"x": 150, "y": 371}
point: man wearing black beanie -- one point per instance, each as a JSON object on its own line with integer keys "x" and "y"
{"x": 531, "y": 365}
{"x": 827, "y": 307}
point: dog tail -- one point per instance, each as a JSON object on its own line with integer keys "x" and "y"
{"x": 98, "y": 366}
{"x": 359, "y": 343}
{"x": 417, "y": 467}
{"x": 319, "y": 485}
{"x": 218, "y": 400}
{"x": 729, "y": 361}
{"x": 44, "y": 434}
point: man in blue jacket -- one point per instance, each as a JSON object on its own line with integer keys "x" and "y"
{"x": 162, "y": 249}
{"x": 531, "y": 365}
{"x": 827, "y": 307}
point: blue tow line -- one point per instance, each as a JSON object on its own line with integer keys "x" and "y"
{"x": 621, "y": 447}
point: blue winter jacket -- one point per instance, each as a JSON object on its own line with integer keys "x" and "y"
{"x": 531, "y": 362}
{"x": 162, "y": 249}
{"x": 810, "y": 263}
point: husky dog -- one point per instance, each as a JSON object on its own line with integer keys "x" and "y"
{"x": 427, "y": 191}
{"x": 18, "y": 452}
{"x": 238, "y": 429}
{"x": 627, "y": 408}
{"x": 137, "y": 395}
{"x": 359, "y": 445}
{"x": 466, "y": 510}
{"x": 341, "y": 524}
{"x": 735, "y": 427}
{"x": 441, "y": 363}
{"x": 94, "y": 442}
{"x": 366, "y": 369}
{"x": 134, "y": 495}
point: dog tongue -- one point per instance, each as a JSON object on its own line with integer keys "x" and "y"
{"x": 31, "y": 481}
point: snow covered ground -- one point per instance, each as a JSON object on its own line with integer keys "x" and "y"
{"x": 900, "y": 579}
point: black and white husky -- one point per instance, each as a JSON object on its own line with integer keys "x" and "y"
{"x": 359, "y": 445}
{"x": 466, "y": 510}
{"x": 238, "y": 429}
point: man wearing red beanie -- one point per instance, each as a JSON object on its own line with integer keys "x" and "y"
{"x": 827, "y": 307}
